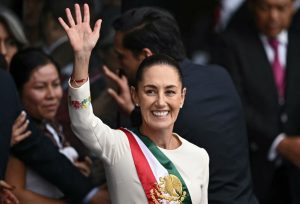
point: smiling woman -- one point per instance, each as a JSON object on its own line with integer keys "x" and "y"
{"x": 148, "y": 164}
{"x": 159, "y": 97}
{"x": 37, "y": 79}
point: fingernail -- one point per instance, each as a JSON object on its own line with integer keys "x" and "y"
{"x": 23, "y": 113}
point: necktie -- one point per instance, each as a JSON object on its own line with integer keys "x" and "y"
{"x": 278, "y": 70}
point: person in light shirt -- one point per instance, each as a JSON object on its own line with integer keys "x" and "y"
{"x": 149, "y": 163}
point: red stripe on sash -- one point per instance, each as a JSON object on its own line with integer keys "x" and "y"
{"x": 142, "y": 166}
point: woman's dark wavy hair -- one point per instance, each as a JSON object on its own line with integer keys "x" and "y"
{"x": 153, "y": 28}
{"x": 158, "y": 59}
{"x": 25, "y": 62}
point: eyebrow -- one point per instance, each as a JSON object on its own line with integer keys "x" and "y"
{"x": 153, "y": 86}
{"x": 39, "y": 81}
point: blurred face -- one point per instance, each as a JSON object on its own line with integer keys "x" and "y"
{"x": 273, "y": 16}
{"x": 128, "y": 61}
{"x": 159, "y": 97}
{"x": 42, "y": 93}
{"x": 31, "y": 12}
{"x": 8, "y": 47}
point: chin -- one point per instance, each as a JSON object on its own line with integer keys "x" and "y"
{"x": 160, "y": 126}
{"x": 50, "y": 116}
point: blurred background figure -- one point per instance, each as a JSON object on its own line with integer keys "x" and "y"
{"x": 31, "y": 13}
{"x": 263, "y": 61}
{"x": 38, "y": 82}
{"x": 12, "y": 37}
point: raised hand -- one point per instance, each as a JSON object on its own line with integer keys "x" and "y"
{"x": 123, "y": 96}
{"x": 19, "y": 129}
{"x": 80, "y": 34}
{"x": 82, "y": 39}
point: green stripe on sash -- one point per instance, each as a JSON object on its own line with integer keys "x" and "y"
{"x": 165, "y": 161}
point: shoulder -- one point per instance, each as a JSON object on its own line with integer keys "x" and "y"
{"x": 210, "y": 72}
{"x": 5, "y": 78}
{"x": 195, "y": 150}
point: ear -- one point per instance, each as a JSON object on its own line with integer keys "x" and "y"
{"x": 134, "y": 96}
{"x": 183, "y": 97}
{"x": 146, "y": 52}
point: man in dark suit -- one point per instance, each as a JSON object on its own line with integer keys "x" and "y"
{"x": 264, "y": 64}
{"x": 37, "y": 151}
{"x": 212, "y": 114}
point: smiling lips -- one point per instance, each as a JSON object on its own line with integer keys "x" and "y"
{"x": 160, "y": 113}
{"x": 51, "y": 107}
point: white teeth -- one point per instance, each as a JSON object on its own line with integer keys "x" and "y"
{"x": 160, "y": 113}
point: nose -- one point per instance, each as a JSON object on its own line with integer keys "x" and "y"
{"x": 50, "y": 92}
{"x": 273, "y": 13}
{"x": 161, "y": 100}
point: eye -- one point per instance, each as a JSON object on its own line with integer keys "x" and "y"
{"x": 39, "y": 87}
{"x": 170, "y": 92}
{"x": 10, "y": 42}
{"x": 56, "y": 84}
{"x": 150, "y": 92}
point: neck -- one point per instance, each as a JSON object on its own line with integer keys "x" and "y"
{"x": 162, "y": 138}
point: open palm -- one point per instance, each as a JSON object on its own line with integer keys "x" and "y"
{"x": 80, "y": 34}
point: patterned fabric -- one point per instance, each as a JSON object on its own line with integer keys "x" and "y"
{"x": 85, "y": 103}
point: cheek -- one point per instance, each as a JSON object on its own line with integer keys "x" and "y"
{"x": 33, "y": 104}
{"x": 12, "y": 51}
{"x": 59, "y": 93}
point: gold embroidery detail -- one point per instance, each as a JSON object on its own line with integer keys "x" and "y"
{"x": 168, "y": 189}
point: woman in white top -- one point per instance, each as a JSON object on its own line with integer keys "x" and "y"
{"x": 150, "y": 163}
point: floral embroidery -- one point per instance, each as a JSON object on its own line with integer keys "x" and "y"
{"x": 80, "y": 105}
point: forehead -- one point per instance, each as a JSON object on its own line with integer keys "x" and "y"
{"x": 47, "y": 71}
{"x": 160, "y": 74}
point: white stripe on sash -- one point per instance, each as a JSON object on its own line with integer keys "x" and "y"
{"x": 159, "y": 171}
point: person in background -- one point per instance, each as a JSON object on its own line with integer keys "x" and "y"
{"x": 37, "y": 79}
{"x": 79, "y": 190}
{"x": 12, "y": 37}
{"x": 6, "y": 190}
{"x": 263, "y": 61}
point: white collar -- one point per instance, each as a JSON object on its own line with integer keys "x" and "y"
{"x": 282, "y": 37}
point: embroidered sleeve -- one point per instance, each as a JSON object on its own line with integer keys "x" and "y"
{"x": 85, "y": 103}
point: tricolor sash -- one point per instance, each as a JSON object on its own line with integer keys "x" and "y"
{"x": 159, "y": 177}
